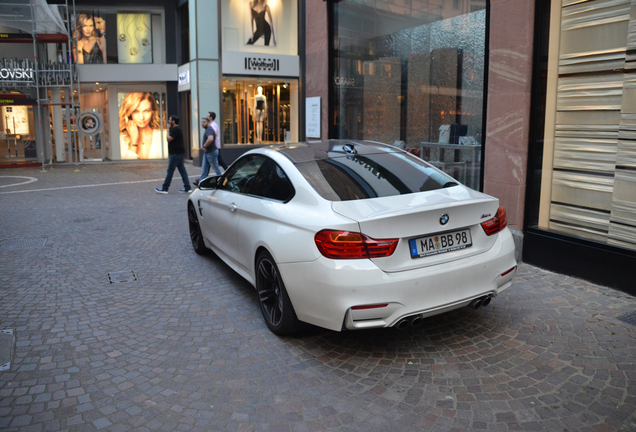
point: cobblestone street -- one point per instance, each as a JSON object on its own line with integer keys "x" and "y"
{"x": 119, "y": 326}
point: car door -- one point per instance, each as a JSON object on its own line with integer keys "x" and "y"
{"x": 221, "y": 209}
{"x": 262, "y": 210}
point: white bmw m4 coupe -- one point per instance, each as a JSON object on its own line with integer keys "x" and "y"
{"x": 352, "y": 235}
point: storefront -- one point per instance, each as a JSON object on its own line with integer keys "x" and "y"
{"x": 581, "y": 198}
{"x": 102, "y": 87}
{"x": 411, "y": 75}
{"x": 125, "y": 80}
{"x": 17, "y": 127}
{"x": 17, "y": 122}
{"x": 247, "y": 71}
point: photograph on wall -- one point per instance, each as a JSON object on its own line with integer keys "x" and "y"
{"x": 141, "y": 134}
{"x": 260, "y": 29}
{"x": 89, "y": 38}
{"x": 134, "y": 38}
{"x": 16, "y": 120}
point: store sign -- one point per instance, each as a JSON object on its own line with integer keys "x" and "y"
{"x": 344, "y": 82}
{"x": 16, "y": 37}
{"x": 241, "y": 63}
{"x": 17, "y": 101}
{"x": 90, "y": 123}
{"x": 16, "y": 74}
{"x": 184, "y": 78}
{"x": 260, "y": 64}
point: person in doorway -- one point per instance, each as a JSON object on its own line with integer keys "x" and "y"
{"x": 217, "y": 130}
{"x": 260, "y": 110}
{"x": 260, "y": 26}
{"x": 210, "y": 150}
{"x": 90, "y": 48}
{"x": 140, "y": 127}
{"x": 176, "y": 152}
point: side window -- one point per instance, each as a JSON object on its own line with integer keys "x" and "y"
{"x": 240, "y": 175}
{"x": 271, "y": 182}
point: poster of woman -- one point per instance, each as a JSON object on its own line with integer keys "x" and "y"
{"x": 141, "y": 135}
{"x": 261, "y": 29}
{"x": 90, "y": 47}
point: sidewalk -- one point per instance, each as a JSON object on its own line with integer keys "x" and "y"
{"x": 176, "y": 341}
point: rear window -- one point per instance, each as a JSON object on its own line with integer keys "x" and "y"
{"x": 371, "y": 176}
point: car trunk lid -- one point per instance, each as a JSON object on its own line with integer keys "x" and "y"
{"x": 419, "y": 215}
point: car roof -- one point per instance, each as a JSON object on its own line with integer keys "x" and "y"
{"x": 327, "y": 149}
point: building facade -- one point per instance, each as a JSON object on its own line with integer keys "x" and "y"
{"x": 118, "y": 80}
{"x": 241, "y": 61}
{"x": 530, "y": 101}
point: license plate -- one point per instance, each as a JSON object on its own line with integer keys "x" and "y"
{"x": 440, "y": 243}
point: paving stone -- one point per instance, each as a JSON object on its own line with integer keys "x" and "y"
{"x": 184, "y": 348}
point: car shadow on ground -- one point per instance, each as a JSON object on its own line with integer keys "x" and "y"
{"x": 436, "y": 333}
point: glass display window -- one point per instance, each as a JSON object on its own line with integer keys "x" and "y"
{"x": 17, "y": 133}
{"x": 582, "y": 164}
{"x": 142, "y": 122}
{"x": 412, "y": 74}
{"x": 257, "y": 111}
{"x": 114, "y": 36}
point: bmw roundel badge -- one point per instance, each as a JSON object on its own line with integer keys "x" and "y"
{"x": 444, "y": 219}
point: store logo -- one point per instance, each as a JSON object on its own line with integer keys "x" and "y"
{"x": 344, "y": 82}
{"x": 260, "y": 64}
{"x": 16, "y": 74}
{"x": 184, "y": 78}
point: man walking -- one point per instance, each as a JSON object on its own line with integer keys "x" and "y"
{"x": 176, "y": 153}
{"x": 217, "y": 130}
{"x": 210, "y": 149}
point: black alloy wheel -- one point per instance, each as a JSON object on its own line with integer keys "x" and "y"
{"x": 195, "y": 231}
{"x": 275, "y": 305}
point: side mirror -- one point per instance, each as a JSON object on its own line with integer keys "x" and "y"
{"x": 209, "y": 183}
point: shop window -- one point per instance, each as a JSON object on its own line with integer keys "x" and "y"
{"x": 582, "y": 164}
{"x": 412, "y": 75}
{"x": 259, "y": 111}
{"x": 104, "y": 36}
{"x": 17, "y": 133}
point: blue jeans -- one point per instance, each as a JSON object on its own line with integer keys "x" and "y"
{"x": 210, "y": 159}
{"x": 176, "y": 161}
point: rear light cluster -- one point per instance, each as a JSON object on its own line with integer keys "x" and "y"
{"x": 496, "y": 224}
{"x": 352, "y": 245}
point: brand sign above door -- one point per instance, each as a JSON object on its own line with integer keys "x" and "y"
{"x": 17, "y": 71}
{"x": 241, "y": 63}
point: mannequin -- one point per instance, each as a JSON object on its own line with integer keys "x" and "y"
{"x": 260, "y": 111}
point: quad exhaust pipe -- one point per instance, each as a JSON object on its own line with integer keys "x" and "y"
{"x": 418, "y": 320}
{"x": 412, "y": 321}
{"x": 481, "y": 301}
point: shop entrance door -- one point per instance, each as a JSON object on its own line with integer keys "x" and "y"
{"x": 94, "y": 99}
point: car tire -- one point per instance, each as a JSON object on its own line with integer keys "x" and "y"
{"x": 277, "y": 309}
{"x": 196, "y": 236}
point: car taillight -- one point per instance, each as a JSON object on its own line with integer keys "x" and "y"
{"x": 352, "y": 245}
{"x": 496, "y": 224}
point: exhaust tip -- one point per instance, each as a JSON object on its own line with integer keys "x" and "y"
{"x": 475, "y": 303}
{"x": 486, "y": 301}
{"x": 402, "y": 324}
{"x": 417, "y": 321}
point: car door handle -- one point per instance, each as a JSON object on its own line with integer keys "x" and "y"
{"x": 233, "y": 207}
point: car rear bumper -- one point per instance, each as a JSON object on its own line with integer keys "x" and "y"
{"x": 324, "y": 291}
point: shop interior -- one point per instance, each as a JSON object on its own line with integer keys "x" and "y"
{"x": 257, "y": 110}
